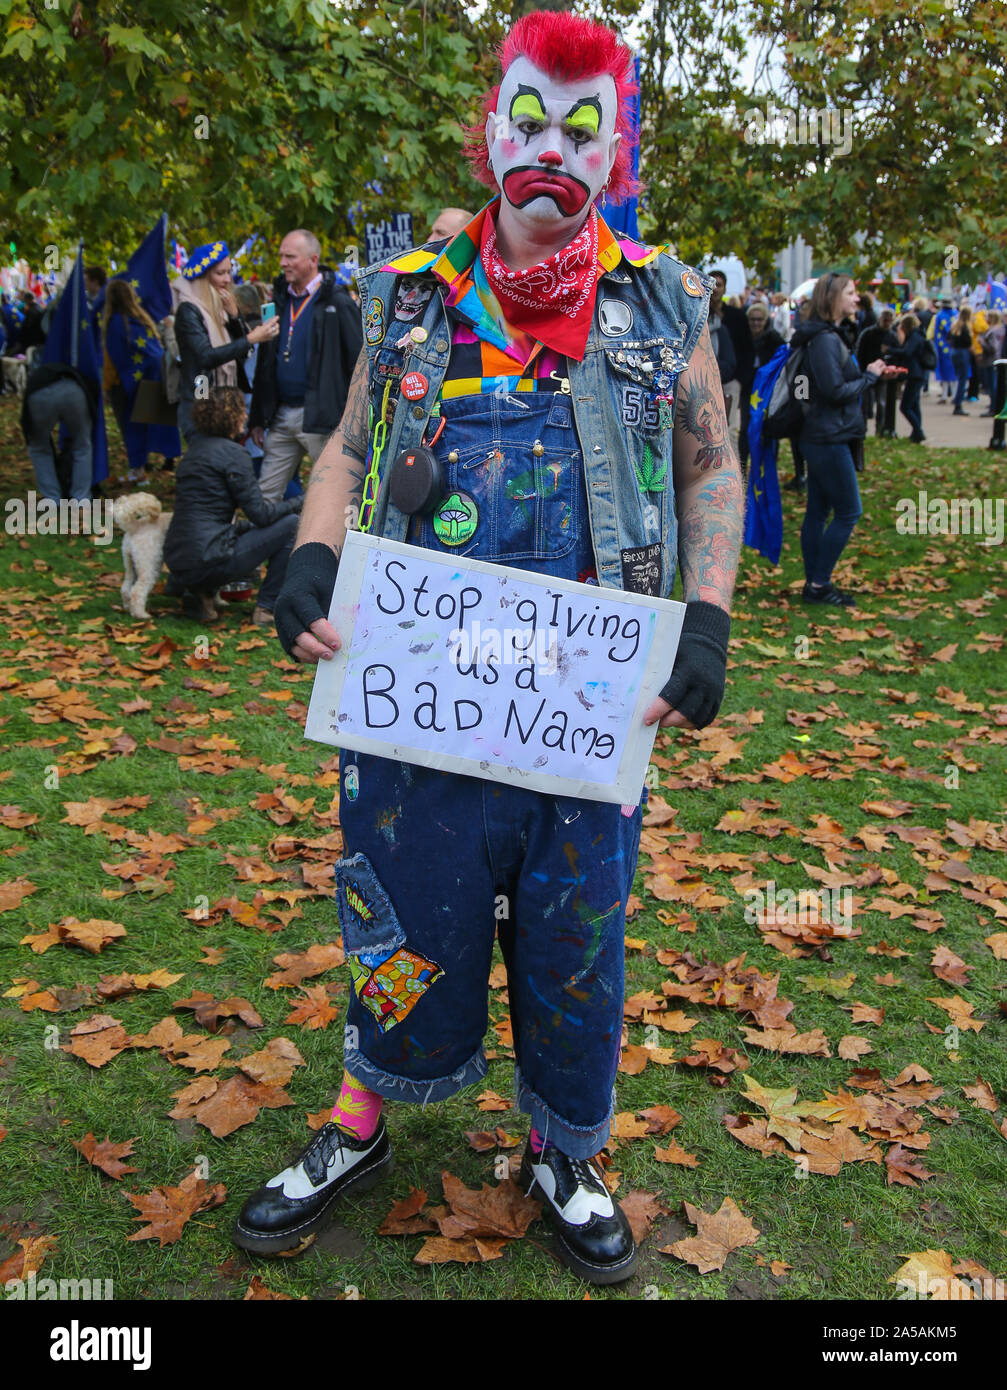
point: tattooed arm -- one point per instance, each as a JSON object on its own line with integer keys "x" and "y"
{"x": 337, "y": 479}
{"x": 710, "y": 504}
{"x": 708, "y": 491}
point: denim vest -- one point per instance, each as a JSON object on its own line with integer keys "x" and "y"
{"x": 647, "y": 321}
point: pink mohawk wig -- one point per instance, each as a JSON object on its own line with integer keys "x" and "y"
{"x": 568, "y": 48}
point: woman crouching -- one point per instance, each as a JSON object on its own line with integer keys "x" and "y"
{"x": 205, "y": 547}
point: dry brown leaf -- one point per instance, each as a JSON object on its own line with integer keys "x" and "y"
{"x": 315, "y": 960}
{"x": 437, "y": 1250}
{"x": 404, "y": 1219}
{"x": 717, "y": 1235}
{"x": 274, "y": 1064}
{"x": 787, "y": 1039}
{"x": 209, "y": 1012}
{"x": 229, "y": 1105}
{"x": 981, "y": 1095}
{"x": 949, "y": 967}
{"x": 852, "y": 1048}
{"x": 97, "y": 1040}
{"x": 674, "y": 1153}
{"x": 106, "y": 1155}
{"x": 903, "y": 1167}
{"x": 258, "y": 1290}
{"x": 167, "y": 1209}
{"x": 864, "y": 1013}
{"x": 959, "y": 1011}
{"x": 500, "y": 1210}
{"x": 490, "y": 1101}
{"x": 641, "y": 1210}
{"x": 313, "y": 1010}
{"x": 28, "y": 1259}
{"x": 998, "y": 944}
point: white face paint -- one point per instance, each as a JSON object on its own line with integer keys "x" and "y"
{"x": 552, "y": 144}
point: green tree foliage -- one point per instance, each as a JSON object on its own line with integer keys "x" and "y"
{"x": 230, "y": 116}
{"x": 241, "y": 115}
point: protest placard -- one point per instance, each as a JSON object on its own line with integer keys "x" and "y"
{"x": 493, "y": 672}
{"x": 387, "y": 238}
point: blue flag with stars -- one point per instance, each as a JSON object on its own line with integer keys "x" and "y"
{"x": 763, "y": 511}
{"x": 71, "y": 342}
{"x": 147, "y": 272}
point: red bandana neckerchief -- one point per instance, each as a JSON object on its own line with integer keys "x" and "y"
{"x": 553, "y": 301}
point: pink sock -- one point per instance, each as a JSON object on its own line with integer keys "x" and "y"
{"x": 536, "y": 1141}
{"x": 357, "y": 1108}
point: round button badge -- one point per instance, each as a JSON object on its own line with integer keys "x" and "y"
{"x": 414, "y": 386}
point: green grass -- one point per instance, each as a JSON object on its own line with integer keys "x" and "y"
{"x": 843, "y": 1236}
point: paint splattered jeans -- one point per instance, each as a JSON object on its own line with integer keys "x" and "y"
{"x": 436, "y": 862}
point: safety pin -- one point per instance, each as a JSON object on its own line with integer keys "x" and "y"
{"x": 564, "y": 382}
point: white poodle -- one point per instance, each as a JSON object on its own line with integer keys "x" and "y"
{"x": 144, "y": 525}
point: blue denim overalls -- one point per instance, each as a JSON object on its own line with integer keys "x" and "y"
{"x": 439, "y": 861}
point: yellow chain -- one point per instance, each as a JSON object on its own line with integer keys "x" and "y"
{"x": 372, "y": 481}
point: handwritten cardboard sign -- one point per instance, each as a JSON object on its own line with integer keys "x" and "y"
{"x": 493, "y": 672}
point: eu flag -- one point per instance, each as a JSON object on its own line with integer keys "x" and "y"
{"x": 763, "y": 512}
{"x": 148, "y": 273}
{"x": 71, "y": 342}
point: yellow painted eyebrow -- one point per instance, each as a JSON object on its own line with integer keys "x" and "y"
{"x": 585, "y": 116}
{"x": 527, "y": 103}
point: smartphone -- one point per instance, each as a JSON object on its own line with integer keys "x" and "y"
{"x": 268, "y": 311}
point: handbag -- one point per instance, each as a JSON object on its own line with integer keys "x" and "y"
{"x": 151, "y": 406}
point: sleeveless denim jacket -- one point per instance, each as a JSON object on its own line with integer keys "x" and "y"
{"x": 650, "y": 311}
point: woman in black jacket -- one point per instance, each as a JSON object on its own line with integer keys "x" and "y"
{"x": 204, "y": 547}
{"x": 211, "y": 337}
{"x": 908, "y": 353}
{"x": 833, "y": 425}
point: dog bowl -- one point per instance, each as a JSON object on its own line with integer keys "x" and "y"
{"x": 236, "y": 591}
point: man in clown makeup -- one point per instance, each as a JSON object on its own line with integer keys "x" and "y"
{"x": 564, "y": 381}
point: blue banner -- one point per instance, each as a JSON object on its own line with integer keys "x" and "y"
{"x": 622, "y": 218}
{"x": 763, "y": 511}
{"x": 148, "y": 273}
{"x": 71, "y": 343}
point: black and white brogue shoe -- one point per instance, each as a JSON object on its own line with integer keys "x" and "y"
{"x": 300, "y": 1200}
{"x": 594, "y": 1236}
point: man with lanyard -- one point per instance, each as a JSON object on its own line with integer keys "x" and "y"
{"x": 565, "y": 384}
{"x": 302, "y": 378}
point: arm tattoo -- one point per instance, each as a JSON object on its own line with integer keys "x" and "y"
{"x": 353, "y": 425}
{"x": 701, "y": 409}
{"x": 709, "y": 538}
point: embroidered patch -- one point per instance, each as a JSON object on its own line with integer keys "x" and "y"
{"x": 691, "y": 283}
{"x": 640, "y": 410}
{"x": 412, "y": 298}
{"x": 366, "y": 915}
{"x": 614, "y": 317}
{"x": 351, "y": 782}
{"x": 374, "y": 324}
{"x": 651, "y": 472}
{"x": 641, "y": 570}
{"x": 456, "y": 519}
{"x": 393, "y": 988}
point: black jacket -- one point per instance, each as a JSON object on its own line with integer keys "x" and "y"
{"x": 873, "y": 342}
{"x": 214, "y": 477}
{"x": 736, "y": 323}
{"x": 198, "y": 356}
{"x": 56, "y": 371}
{"x": 766, "y": 345}
{"x": 836, "y": 384}
{"x": 908, "y": 355}
{"x": 336, "y": 340}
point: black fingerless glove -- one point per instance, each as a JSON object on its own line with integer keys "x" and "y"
{"x": 306, "y": 593}
{"x": 697, "y": 683}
